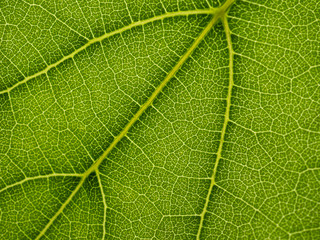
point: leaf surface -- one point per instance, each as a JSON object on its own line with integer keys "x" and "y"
{"x": 159, "y": 119}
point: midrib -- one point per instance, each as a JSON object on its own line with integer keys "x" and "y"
{"x": 218, "y": 13}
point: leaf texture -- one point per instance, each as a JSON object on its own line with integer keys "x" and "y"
{"x": 159, "y": 119}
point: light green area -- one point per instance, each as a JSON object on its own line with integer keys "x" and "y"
{"x": 160, "y": 119}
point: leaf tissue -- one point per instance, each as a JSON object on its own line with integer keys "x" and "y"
{"x": 159, "y": 119}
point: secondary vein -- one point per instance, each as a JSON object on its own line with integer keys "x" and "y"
{"x": 104, "y": 204}
{"x": 225, "y": 123}
{"x": 40, "y": 177}
{"x": 158, "y": 90}
{"x": 107, "y": 35}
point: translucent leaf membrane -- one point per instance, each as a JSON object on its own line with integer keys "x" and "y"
{"x": 228, "y": 149}
{"x": 27, "y": 206}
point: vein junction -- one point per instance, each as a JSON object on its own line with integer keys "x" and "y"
{"x": 218, "y": 14}
{"x": 225, "y": 123}
{"x": 107, "y": 35}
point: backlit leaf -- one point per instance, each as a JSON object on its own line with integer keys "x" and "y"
{"x": 131, "y": 119}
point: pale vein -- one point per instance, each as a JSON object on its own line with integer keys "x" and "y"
{"x": 226, "y": 120}
{"x": 107, "y": 35}
{"x": 158, "y": 90}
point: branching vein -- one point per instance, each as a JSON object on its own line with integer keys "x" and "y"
{"x": 158, "y": 90}
{"x": 226, "y": 120}
{"x": 107, "y": 35}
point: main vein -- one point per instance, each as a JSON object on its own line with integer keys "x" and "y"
{"x": 125, "y": 130}
{"x": 225, "y": 123}
{"x": 107, "y": 35}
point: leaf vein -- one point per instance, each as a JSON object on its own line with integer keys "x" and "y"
{"x": 107, "y": 35}
{"x": 133, "y": 120}
{"x": 226, "y": 120}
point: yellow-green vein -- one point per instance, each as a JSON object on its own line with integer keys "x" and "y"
{"x": 26, "y": 179}
{"x": 125, "y": 130}
{"x": 61, "y": 208}
{"x": 225, "y": 123}
{"x": 104, "y": 204}
{"x": 107, "y": 35}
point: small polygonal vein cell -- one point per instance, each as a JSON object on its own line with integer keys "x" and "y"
{"x": 159, "y": 119}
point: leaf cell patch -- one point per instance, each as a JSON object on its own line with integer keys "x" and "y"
{"x": 195, "y": 119}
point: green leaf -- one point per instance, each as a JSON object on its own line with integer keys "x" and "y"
{"x": 159, "y": 119}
